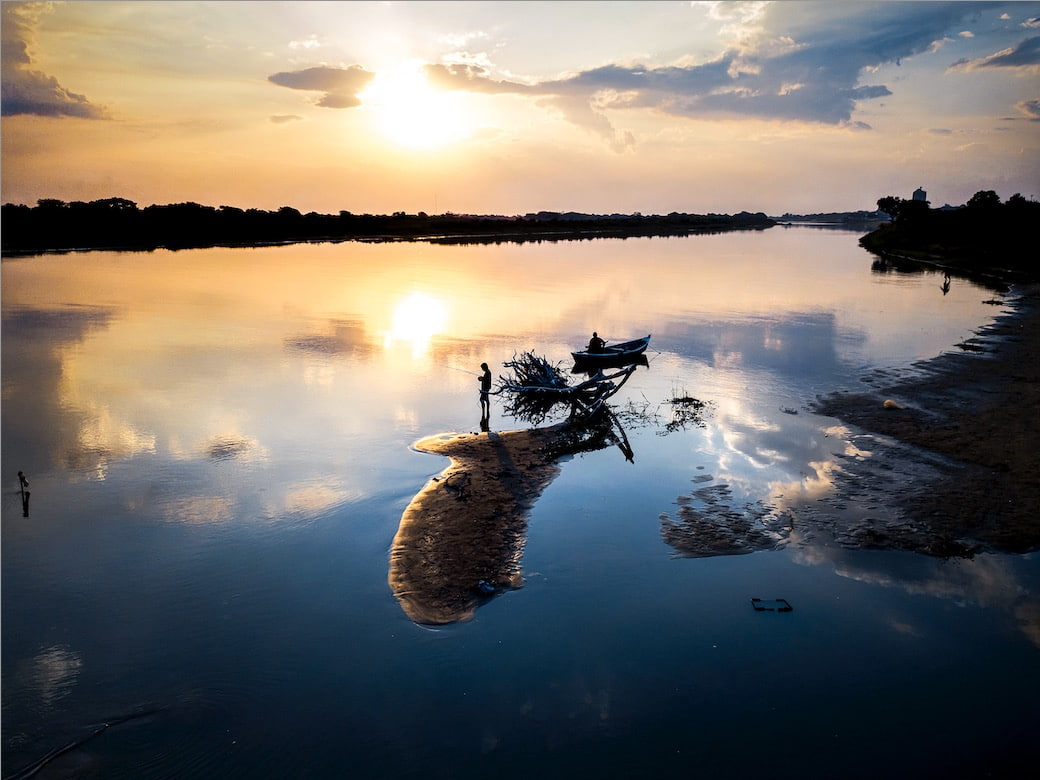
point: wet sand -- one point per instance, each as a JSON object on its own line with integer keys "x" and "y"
{"x": 974, "y": 417}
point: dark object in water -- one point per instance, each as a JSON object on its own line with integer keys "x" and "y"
{"x": 771, "y": 605}
{"x": 621, "y": 351}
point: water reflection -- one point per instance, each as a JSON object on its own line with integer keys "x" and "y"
{"x": 797, "y": 345}
{"x": 417, "y": 319}
{"x": 228, "y": 431}
{"x": 998, "y": 582}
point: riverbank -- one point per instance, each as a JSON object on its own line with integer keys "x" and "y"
{"x": 974, "y": 416}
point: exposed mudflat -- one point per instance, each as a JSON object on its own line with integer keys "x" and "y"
{"x": 955, "y": 453}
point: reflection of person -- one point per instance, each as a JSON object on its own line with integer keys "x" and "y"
{"x": 946, "y": 284}
{"x": 485, "y": 390}
{"x": 596, "y": 343}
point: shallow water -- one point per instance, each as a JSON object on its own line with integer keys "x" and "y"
{"x": 218, "y": 446}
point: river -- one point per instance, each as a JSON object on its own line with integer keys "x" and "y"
{"x": 218, "y": 444}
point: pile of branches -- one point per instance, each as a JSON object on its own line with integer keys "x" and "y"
{"x": 535, "y": 388}
{"x": 538, "y": 388}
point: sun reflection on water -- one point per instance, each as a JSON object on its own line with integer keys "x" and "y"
{"x": 416, "y": 320}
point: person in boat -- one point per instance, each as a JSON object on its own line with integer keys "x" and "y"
{"x": 596, "y": 344}
{"x": 485, "y": 393}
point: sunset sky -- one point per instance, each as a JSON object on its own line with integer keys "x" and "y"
{"x": 512, "y": 107}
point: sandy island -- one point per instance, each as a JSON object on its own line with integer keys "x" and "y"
{"x": 461, "y": 538}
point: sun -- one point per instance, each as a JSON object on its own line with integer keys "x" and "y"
{"x": 412, "y": 113}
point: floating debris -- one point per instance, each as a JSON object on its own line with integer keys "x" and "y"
{"x": 771, "y": 605}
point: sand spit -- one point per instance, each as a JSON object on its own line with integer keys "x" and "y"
{"x": 462, "y": 537}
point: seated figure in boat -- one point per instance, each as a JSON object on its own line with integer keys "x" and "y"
{"x": 596, "y": 344}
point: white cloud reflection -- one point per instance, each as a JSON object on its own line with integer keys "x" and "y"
{"x": 987, "y": 580}
{"x": 54, "y": 672}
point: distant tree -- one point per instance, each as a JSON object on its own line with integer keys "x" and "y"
{"x": 984, "y": 199}
{"x": 1017, "y": 201}
{"x": 902, "y": 210}
{"x": 115, "y": 204}
{"x": 890, "y": 205}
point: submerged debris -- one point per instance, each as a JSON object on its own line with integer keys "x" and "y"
{"x": 686, "y": 412}
{"x": 771, "y": 605}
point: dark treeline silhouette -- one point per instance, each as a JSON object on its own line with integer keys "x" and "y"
{"x": 983, "y": 235}
{"x": 117, "y": 223}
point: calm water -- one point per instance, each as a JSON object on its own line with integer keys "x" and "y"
{"x": 218, "y": 446}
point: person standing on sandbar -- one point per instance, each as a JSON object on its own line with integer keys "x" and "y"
{"x": 485, "y": 394}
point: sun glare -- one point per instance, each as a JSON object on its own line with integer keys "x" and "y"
{"x": 414, "y": 114}
{"x": 417, "y": 319}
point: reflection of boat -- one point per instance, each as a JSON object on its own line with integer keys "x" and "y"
{"x": 625, "y": 350}
{"x": 591, "y": 367}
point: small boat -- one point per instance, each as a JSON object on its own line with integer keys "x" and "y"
{"x": 625, "y": 350}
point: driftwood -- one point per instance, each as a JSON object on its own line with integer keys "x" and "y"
{"x": 537, "y": 388}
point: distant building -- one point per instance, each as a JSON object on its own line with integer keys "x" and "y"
{"x": 920, "y": 194}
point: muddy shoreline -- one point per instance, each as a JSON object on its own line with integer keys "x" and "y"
{"x": 973, "y": 417}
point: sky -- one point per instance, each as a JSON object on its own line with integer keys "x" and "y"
{"x": 514, "y": 107}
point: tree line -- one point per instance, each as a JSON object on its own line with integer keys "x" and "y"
{"x": 118, "y": 223}
{"x": 984, "y": 234}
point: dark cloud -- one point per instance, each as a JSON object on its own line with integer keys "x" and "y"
{"x": 340, "y": 85}
{"x": 1025, "y": 55}
{"x": 1031, "y": 109}
{"x": 26, "y": 90}
{"x": 794, "y": 61}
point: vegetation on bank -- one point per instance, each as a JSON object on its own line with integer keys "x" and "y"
{"x": 985, "y": 235}
{"x": 119, "y": 223}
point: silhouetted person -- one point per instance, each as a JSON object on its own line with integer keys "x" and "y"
{"x": 596, "y": 343}
{"x": 23, "y": 483}
{"x": 946, "y": 284}
{"x": 485, "y": 395}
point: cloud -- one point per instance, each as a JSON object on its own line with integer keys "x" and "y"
{"x": 25, "y": 89}
{"x": 474, "y": 78}
{"x": 1030, "y": 108}
{"x": 281, "y": 119}
{"x": 1024, "y": 55}
{"x": 782, "y": 61}
{"x": 340, "y": 85}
